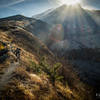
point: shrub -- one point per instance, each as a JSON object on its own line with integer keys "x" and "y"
{"x": 35, "y": 67}
{"x": 51, "y": 71}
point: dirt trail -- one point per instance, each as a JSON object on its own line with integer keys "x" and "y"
{"x": 7, "y": 75}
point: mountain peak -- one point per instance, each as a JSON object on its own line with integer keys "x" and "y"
{"x": 65, "y": 5}
{"x": 19, "y": 15}
{"x": 16, "y": 17}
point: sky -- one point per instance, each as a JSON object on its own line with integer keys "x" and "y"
{"x": 32, "y": 7}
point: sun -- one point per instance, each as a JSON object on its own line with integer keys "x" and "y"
{"x": 70, "y": 2}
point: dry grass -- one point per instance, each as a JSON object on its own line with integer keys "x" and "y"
{"x": 30, "y": 86}
{"x": 16, "y": 92}
{"x": 26, "y": 86}
{"x": 27, "y": 57}
{"x": 21, "y": 74}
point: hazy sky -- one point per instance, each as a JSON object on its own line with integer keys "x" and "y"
{"x": 32, "y": 7}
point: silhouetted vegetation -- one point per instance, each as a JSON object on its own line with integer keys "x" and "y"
{"x": 51, "y": 71}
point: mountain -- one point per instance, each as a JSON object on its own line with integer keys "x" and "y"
{"x": 37, "y": 27}
{"x": 77, "y": 26}
{"x": 75, "y": 36}
{"x": 38, "y": 74}
{"x": 62, "y": 13}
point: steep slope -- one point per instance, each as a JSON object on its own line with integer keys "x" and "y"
{"x": 37, "y": 27}
{"x": 79, "y": 26}
{"x": 75, "y": 36}
{"x": 15, "y": 32}
{"x": 26, "y": 81}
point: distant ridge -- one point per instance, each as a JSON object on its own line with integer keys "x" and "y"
{"x": 16, "y": 17}
{"x": 37, "y": 27}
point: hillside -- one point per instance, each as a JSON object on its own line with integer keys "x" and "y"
{"x": 37, "y": 27}
{"x": 33, "y": 78}
{"x": 75, "y": 37}
{"x": 77, "y": 27}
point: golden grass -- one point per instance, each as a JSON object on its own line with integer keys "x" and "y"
{"x": 24, "y": 86}
{"x": 16, "y": 92}
{"x": 27, "y": 57}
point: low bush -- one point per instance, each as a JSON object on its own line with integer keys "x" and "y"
{"x": 51, "y": 71}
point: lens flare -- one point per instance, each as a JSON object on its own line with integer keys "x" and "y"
{"x": 70, "y": 2}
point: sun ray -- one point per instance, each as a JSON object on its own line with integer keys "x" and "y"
{"x": 70, "y": 2}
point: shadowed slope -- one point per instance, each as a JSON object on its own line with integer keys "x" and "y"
{"x": 30, "y": 84}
